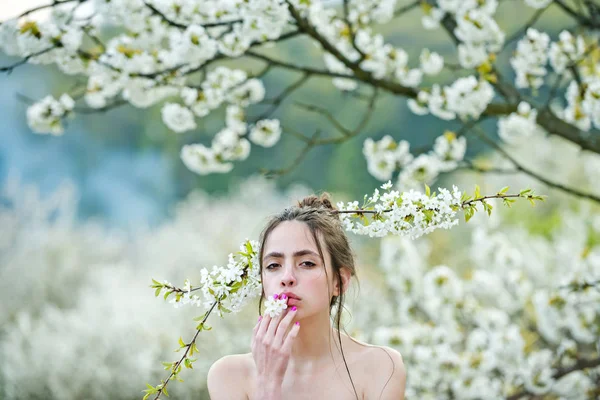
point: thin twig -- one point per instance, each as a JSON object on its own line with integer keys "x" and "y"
{"x": 189, "y": 345}
{"x": 406, "y": 8}
{"x": 275, "y": 103}
{"x": 481, "y": 133}
{"x": 536, "y": 16}
{"x": 169, "y": 21}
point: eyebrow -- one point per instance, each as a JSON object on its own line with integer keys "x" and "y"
{"x": 299, "y": 253}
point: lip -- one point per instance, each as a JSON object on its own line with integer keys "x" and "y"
{"x": 291, "y": 295}
{"x": 293, "y": 302}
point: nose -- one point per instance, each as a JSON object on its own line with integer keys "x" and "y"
{"x": 288, "y": 278}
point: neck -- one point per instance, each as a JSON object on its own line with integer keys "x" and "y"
{"x": 316, "y": 343}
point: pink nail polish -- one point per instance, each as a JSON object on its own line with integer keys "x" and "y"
{"x": 297, "y": 322}
{"x": 283, "y": 297}
{"x": 275, "y": 296}
{"x": 259, "y": 318}
{"x": 294, "y": 308}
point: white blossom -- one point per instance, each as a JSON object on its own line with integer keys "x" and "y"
{"x": 450, "y": 150}
{"x": 431, "y": 63}
{"x": 46, "y": 115}
{"x": 274, "y": 307}
{"x": 518, "y": 126}
{"x": 385, "y": 156}
{"x": 266, "y": 132}
{"x": 530, "y": 59}
{"x": 178, "y": 118}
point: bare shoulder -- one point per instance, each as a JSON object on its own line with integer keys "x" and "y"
{"x": 232, "y": 368}
{"x": 384, "y": 371}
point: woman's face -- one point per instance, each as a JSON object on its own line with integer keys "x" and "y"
{"x": 291, "y": 263}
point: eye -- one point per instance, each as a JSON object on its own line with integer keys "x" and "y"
{"x": 272, "y": 266}
{"x": 308, "y": 264}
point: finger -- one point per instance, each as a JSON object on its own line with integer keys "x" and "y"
{"x": 285, "y": 323}
{"x": 289, "y": 339}
{"x": 275, "y": 321}
{"x": 264, "y": 326}
{"x": 256, "y": 328}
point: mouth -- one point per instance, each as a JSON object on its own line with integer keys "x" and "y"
{"x": 291, "y": 296}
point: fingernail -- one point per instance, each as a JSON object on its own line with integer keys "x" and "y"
{"x": 294, "y": 308}
{"x": 275, "y": 296}
{"x": 297, "y": 322}
{"x": 259, "y": 318}
{"x": 283, "y": 297}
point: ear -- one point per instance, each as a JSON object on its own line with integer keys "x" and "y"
{"x": 346, "y": 275}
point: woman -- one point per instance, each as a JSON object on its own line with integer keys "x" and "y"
{"x": 305, "y": 259}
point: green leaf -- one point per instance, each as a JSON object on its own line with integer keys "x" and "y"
{"x": 188, "y": 363}
{"x": 508, "y": 202}
{"x": 524, "y": 192}
{"x": 157, "y": 291}
{"x": 167, "y": 365}
{"x": 181, "y": 343}
{"x": 164, "y": 390}
{"x": 469, "y": 211}
{"x": 477, "y": 192}
{"x": 504, "y": 190}
{"x": 427, "y": 191}
{"x": 465, "y": 197}
{"x": 167, "y": 294}
{"x": 157, "y": 283}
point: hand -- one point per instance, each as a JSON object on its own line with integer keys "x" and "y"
{"x": 271, "y": 349}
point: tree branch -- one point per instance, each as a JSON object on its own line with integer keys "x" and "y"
{"x": 524, "y": 29}
{"x": 303, "y": 153}
{"x": 581, "y": 19}
{"x": 51, "y": 5}
{"x": 406, "y": 8}
{"x": 169, "y": 21}
{"x": 275, "y": 103}
{"x": 481, "y": 134}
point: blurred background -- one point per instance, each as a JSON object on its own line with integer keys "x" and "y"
{"x": 88, "y": 218}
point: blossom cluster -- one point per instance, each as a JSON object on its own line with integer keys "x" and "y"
{"x": 230, "y": 287}
{"x": 46, "y": 115}
{"x": 476, "y": 28}
{"x": 530, "y": 59}
{"x": 519, "y": 126}
{"x": 409, "y": 213}
{"x": 466, "y": 98}
{"x": 535, "y": 50}
{"x": 384, "y": 157}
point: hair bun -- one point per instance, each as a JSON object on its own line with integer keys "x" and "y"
{"x": 322, "y": 201}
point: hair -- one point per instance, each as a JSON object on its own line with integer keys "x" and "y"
{"x": 321, "y": 217}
